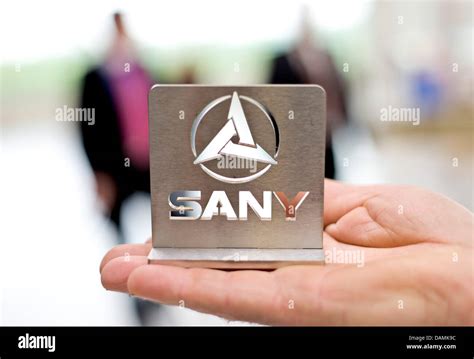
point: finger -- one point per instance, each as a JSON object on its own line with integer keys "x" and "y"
{"x": 244, "y": 295}
{"x": 358, "y": 228}
{"x": 330, "y": 243}
{"x": 371, "y": 298}
{"x": 294, "y": 295}
{"x": 348, "y": 221}
{"x": 400, "y": 217}
{"x": 115, "y": 273}
{"x": 338, "y": 252}
{"x": 343, "y": 253}
{"x": 303, "y": 295}
{"x": 341, "y": 198}
{"x": 124, "y": 250}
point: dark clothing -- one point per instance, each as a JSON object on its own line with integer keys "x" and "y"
{"x": 286, "y": 70}
{"x": 103, "y": 141}
{"x": 283, "y": 73}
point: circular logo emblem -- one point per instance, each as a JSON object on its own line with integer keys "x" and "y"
{"x": 222, "y": 144}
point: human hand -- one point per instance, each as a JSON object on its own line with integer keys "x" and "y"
{"x": 417, "y": 249}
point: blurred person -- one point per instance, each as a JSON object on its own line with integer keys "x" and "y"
{"x": 309, "y": 63}
{"x": 417, "y": 268}
{"x": 188, "y": 75}
{"x": 427, "y": 91}
{"x": 117, "y": 144}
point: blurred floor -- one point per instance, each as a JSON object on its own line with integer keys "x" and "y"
{"x": 52, "y": 242}
{"x": 53, "y": 235}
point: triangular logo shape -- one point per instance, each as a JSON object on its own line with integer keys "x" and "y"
{"x": 221, "y": 144}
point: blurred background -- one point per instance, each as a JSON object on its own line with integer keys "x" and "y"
{"x": 398, "y": 75}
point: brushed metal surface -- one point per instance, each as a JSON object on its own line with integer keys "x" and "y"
{"x": 300, "y": 165}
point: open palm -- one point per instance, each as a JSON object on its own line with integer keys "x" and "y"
{"x": 417, "y": 249}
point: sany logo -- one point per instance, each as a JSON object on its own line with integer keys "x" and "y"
{"x": 185, "y": 204}
{"x": 186, "y": 207}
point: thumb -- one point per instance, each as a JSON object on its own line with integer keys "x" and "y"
{"x": 357, "y": 227}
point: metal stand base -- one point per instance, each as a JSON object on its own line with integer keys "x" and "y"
{"x": 235, "y": 258}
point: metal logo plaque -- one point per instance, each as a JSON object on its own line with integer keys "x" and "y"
{"x": 237, "y": 175}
